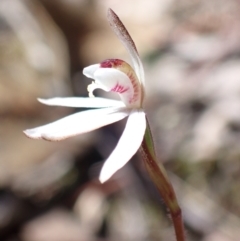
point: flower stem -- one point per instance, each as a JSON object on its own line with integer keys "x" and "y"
{"x": 159, "y": 176}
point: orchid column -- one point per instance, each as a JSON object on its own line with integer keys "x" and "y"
{"x": 117, "y": 76}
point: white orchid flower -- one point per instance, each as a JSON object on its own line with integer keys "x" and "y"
{"x": 111, "y": 75}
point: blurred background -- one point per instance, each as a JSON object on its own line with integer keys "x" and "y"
{"x": 191, "y": 54}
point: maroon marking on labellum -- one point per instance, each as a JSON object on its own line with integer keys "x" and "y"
{"x": 119, "y": 89}
{"x": 109, "y": 63}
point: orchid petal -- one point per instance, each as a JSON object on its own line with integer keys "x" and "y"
{"x": 128, "y": 43}
{"x": 77, "y": 123}
{"x": 110, "y": 79}
{"x": 127, "y": 146}
{"x": 89, "y": 71}
{"x": 82, "y": 102}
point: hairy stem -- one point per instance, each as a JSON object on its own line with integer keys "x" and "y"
{"x": 159, "y": 176}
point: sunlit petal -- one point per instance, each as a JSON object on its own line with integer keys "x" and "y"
{"x": 114, "y": 80}
{"x": 127, "y": 146}
{"x": 108, "y": 78}
{"x": 78, "y": 123}
{"x": 89, "y": 71}
{"x": 82, "y": 102}
{"x": 128, "y": 43}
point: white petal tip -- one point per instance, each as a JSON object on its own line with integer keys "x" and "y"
{"x": 43, "y": 101}
{"x": 104, "y": 177}
{"x": 34, "y": 134}
{"x": 31, "y": 133}
{"x": 107, "y": 172}
{"x": 89, "y": 71}
{"x": 101, "y": 180}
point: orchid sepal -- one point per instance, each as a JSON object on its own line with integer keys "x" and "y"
{"x": 78, "y": 123}
{"x": 127, "y": 146}
{"x": 127, "y": 41}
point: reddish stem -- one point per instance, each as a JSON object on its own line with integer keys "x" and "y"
{"x": 161, "y": 180}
